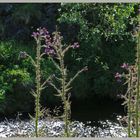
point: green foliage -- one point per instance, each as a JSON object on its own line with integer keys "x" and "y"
{"x": 12, "y": 74}
{"x": 17, "y": 76}
{"x": 104, "y": 32}
{"x": 106, "y": 19}
{"x": 2, "y": 92}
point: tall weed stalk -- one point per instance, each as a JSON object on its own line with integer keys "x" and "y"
{"x": 39, "y": 37}
{"x": 57, "y": 58}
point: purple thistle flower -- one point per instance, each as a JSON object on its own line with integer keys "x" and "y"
{"x": 40, "y": 31}
{"x": 75, "y": 45}
{"x": 35, "y": 34}
{"x": 48, "y": 41}
{"x": 43, "y": 33}
{"x": 49, "y": 51}
{"x": 125, "y": 66}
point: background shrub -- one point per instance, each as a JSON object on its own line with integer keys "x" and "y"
{"x": 105, "y": 33}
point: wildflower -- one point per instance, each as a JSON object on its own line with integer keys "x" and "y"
{"x": 75, "y": 45}
{"x": 57, "y": 38}
{"x": 125, "y": 66}
{"x": 35, "y": 34}
{"x": 48, "y": 42}
{"x": 49, "y": 51}
{"x": 42, "y": 33}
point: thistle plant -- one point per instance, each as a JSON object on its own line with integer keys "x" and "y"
{"x": 39, "y": 37}
{"x": 56, "y": 51}
{"x": 132, "y": 96}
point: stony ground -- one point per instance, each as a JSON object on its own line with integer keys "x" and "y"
{"x": 55, "y": 128}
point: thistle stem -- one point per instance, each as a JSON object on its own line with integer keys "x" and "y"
{"x": 129, "y": 106}
{"x": 66, "y": 117}
{"x": 38, "y": 85}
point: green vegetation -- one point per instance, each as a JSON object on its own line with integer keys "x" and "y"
{"x": 14, "y": 77}
{"x": 132, "y": 96}
{"x": 105, "y": 33}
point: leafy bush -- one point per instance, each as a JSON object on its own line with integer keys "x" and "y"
{"x": 17, "y": 78}
{"x": 12, "y": 76}
{"x": 105, "y": 35}
{"x": 104, "y": 32}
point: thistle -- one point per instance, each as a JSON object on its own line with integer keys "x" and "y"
{"x": 57, "y": 51}
{"x": 39, "y": 36}
{"x": 130, "y": 98}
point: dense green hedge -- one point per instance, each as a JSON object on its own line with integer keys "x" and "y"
{"x": 105, "y": 35}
